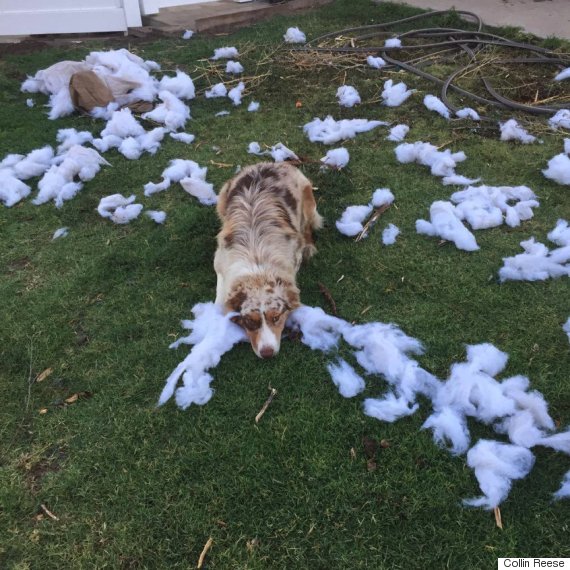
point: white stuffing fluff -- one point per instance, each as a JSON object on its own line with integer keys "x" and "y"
{"x": 375, "y": 62}
{"x": 383, "y": 349}
{"x": 217, "y": 90}
{"x": 200, "y": 189}
{"x": 30, "y": 102}
{"x": 441, "y": 163}
{"x": 157, "y": 216}
{"x": 449, "y": 427}
{"x": 178, "y": 169}
{"x": 394, "y": 95}
{"x": 468, "y": 113}
{"x": 130, "y": 148}
{"x": 561, "y": 120}
{"x": 119, "y": 209}
{"x": 329, "y": 131}
{"x": 59, "y": 233}
{"x": 122, "y": 124}
{"x": 234, "y": 67}
{"x": 105, "y": 143}
{"x": 350, "y": 223}
{"x": 280, "y": 152}
{"x": 496, "y": 465}
{"x": 186, "y": 138}
{"x": 564, "y": 74}
{"x": 222, "y": 114}
{"x": 390, "y": 408}
{"x": 393, "y": 43}
{"x": 187, "y": 34}
{"x": 347, "y": 96}
{"x": 567, "y": 146}
{"x": 172, "y": 112}
{"x": 538, "y": 263}
{"x": 390, "y": 234}
{"x": 294, "y": 36}
{"x": 564, "y": 491}
{"x": 445, "y": 223}
{"x": 235, "y": 94}
{"x": 459, "y": 180}
{"x": 225, "y": 53}
{"x": 181, "y": 86}
{"x": 151, "y": 188}
{"x": 434, "y": 103}
{"x": 558, "y": 441}
{"x": 69, "y": 137}
{"x": 382, "y": 197}
{"x": 253, "y": 106}
{"x": 12, "y": 190}
{"x": 11, "y": 159}
{"x": 104, "y": 113}
{"x": 254, "y": 148}
{"x": 58, "y": 182}
{"x": 512, "y": 131}
{"x": 336, "y": 158}
{"x": 213, "y": 334}
{"x": 346, "y": 379}
{"x": 558, "y": 169}
{"x": 566, "y": 328}
{"x": 398, "y": 133}
{"x": 484, "y": 206}
{"x": 33, "y": 164}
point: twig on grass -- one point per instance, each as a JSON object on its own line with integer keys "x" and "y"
{"x": 48, "y": 512}
{"x": 377, "y": 213}
{"x": 272, "y": 395}
{"x": 327, "y": 295}
{"x": 498, "y": 519}
{"x": 207, "y": 547}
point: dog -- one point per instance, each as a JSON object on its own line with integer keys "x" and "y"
{"x": 268, "y": 213}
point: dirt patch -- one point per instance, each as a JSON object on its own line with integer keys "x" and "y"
{"x": 36, "y": 469}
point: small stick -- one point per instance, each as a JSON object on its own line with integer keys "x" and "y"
{"x": 266, "y": 405}
{"x": 48, "y": 512}
{"x": 377, "y": 213}
{"x": 327, "y": 295}
{"x": 204, "y": 552}
{"x": 498, "y": 519}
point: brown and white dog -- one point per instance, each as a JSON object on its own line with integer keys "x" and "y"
{"x": 268, "y": 212}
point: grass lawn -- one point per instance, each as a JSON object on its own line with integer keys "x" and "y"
{"x": 134, "y": 486}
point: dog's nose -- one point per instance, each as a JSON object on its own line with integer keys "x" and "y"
{"x": 266, "y": 352}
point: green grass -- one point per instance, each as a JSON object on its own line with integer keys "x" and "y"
{"x": 138, "y": 487}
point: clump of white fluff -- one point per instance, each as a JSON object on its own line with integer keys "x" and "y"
{"x": 496, "y": 465}
{"x": 225, "y": 53}
{"x": 350, "y": 223}
{"x": 382, "y": 197}
{"x": 347, "y": 96}
{"x": 217, "y": 90}
{"x": 468, "y": 113}
{"x": 235, "y": 94}
{"x": 512, "y": 131}
{"x": 445, "y": 223}
{"x": 389, "y": 235}
{"x": 434, "y": 103}
{"x": 329, "y": 131}
{"x": 172, "y": 112}
{"x": 60, "y": 232}
{"x": 398, "y": 133}
{"x": 253, "y": 106}
{"x": 346, "y": 379}
{"x": 538, "y": 263}
{"x": 566, "y": 328}
{"x": 564, "y": 74}
{"x": 213, "y": 334}
{"x": 119, "y": 209}
{"x": 294, "y": 36}
{"x": 441, "y": 163}
{"x": 375, "y": 62}
{"x": 186, "y": 138}
{"x": 394, "y": 95}
{"x": 393, "y": 43}
{"x": 336, "y": 158}
{"x": 181, "y": 86}
{"x": 558, "y": 169}
{"x": 234, "y": 67}
{"x": 561, "y": 120}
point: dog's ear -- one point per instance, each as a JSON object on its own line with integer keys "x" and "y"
{"x": 237, "y": 319}
{"x": 293, "y": 299}
{"x": 236, "y": 300}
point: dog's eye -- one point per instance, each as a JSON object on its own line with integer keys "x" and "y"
{"x": 275, "y": 319}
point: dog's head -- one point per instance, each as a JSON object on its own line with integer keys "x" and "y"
{"x": 263, "y": 304}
